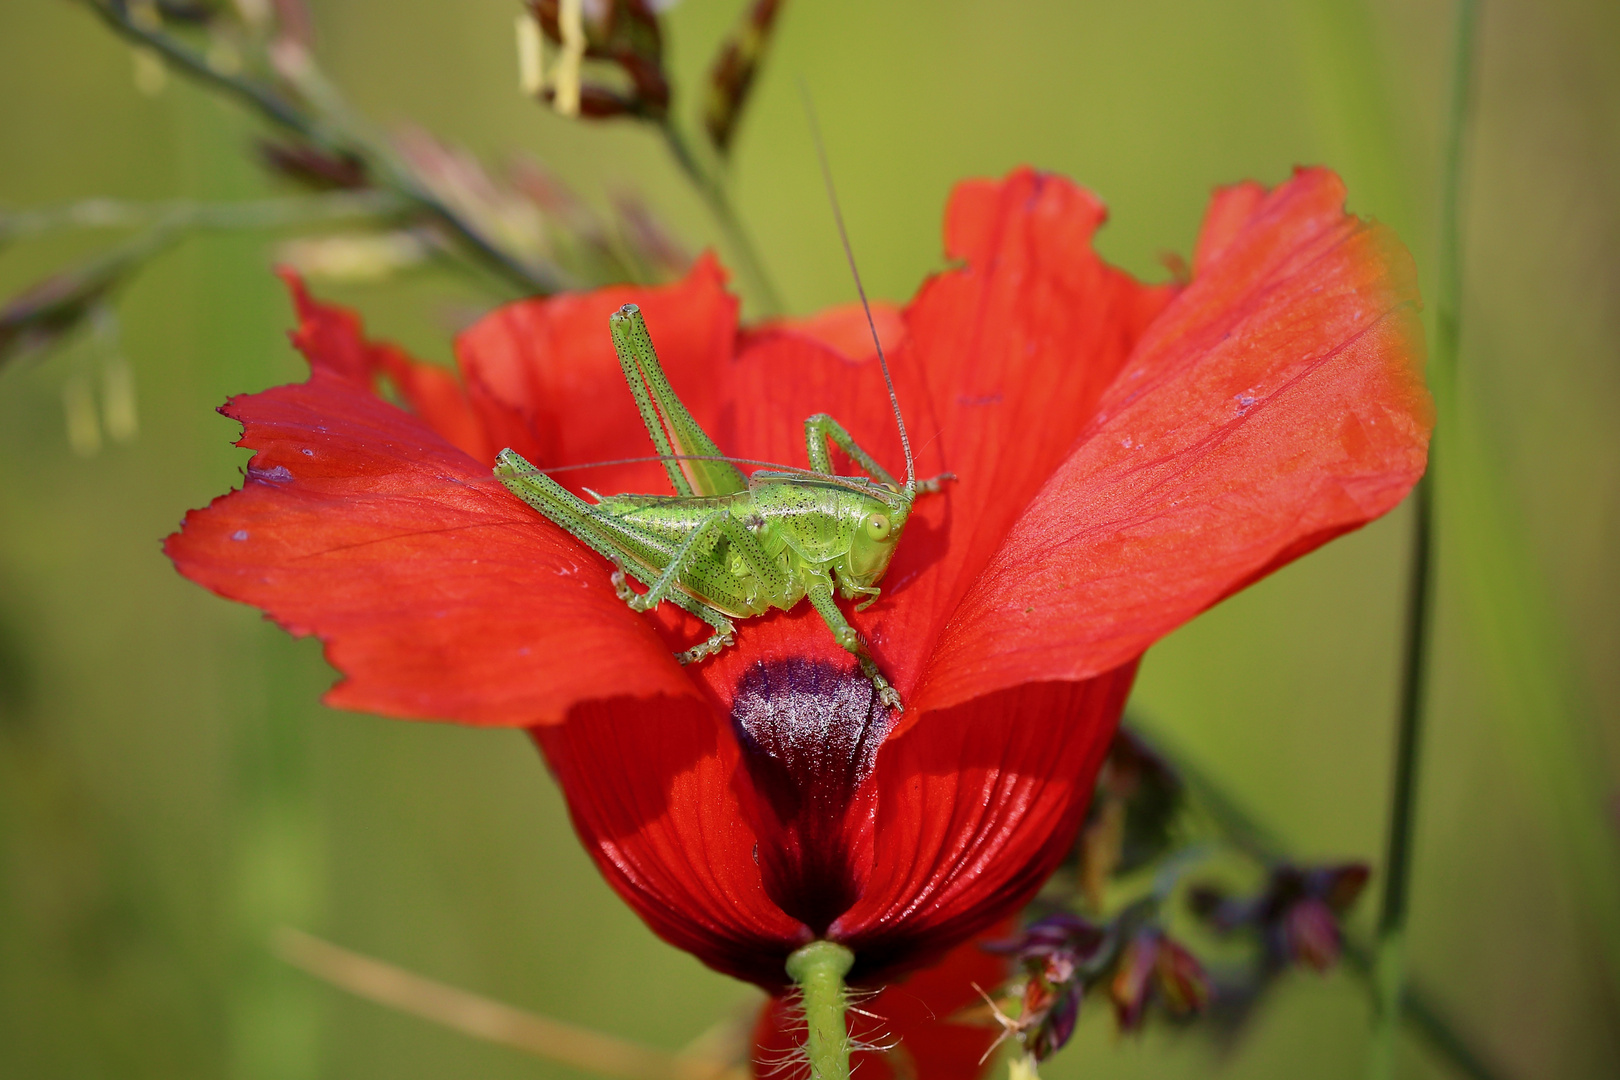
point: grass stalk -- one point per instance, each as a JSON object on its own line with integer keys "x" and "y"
{"x": 714, "y": 196}
{"x": 276, "y": 107}
{"x": 1389, "y": 950}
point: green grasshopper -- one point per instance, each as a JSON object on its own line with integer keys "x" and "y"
{"x": 727, "y": 546}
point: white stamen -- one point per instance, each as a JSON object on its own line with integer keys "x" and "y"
{"x": 571, "y": 21}
{"x": 531, "y": 55}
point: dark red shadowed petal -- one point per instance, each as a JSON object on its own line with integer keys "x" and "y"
{"x": 976, "y": 806}
{"x": 913, "y": 1016}
{"x": 651, "y": 789}
{"x": 438, "y": 594}
{"x": 1277, "y": 403}
{"x": 740, "y": 842}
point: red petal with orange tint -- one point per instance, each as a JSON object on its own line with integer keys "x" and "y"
{"x": 439, "y": 595}
{"x": 1277, "y": 403}
{"x": 1000, "y": 367}
{"x": 1014, "y": 351}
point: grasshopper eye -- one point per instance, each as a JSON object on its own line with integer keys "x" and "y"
{"x": 877, "y": 526}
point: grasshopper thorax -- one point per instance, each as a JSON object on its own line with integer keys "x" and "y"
{"x": 845, "y": 527}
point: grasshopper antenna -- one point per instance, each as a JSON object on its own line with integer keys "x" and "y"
{"x": 849, "y": 253}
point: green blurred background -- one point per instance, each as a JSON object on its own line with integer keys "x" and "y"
{"x": 170, "y": 791}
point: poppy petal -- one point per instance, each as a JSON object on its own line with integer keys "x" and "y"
{"x": 1229, "y": 211}
{"x": 1278, "y": 402}
{"x": 1000, "y": 367}
{"x": 438, "y": 594}
{"x": 976, "y": 806}
{"x": 333, "y": 336}
{"x": 651, "y": 789}
{"x": 436, "y": 395}
{"x": 844, "y": 329}
{"x": 1014, "y": 348}
{"x": 543, "y": 376}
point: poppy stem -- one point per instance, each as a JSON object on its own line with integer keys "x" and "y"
{"x": 818, "y": 971}
{"x": 1389, "y": 961}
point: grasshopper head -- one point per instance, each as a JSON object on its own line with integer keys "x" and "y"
{"x": 879, "y": 519}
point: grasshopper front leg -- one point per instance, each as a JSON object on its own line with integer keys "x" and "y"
{"x": 849, "y": 639}
{"x": 821, "y": 429}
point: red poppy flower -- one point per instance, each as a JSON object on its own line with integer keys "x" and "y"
{"x": 1127, "y": 456}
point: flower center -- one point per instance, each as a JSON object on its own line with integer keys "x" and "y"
{"x": 810, "y": 734}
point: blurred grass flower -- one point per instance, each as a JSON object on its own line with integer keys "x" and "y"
{"x": 1128, "y": 455}
{"x": 1296, "y": 915}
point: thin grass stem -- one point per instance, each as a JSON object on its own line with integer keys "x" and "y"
{"x": 188, "y": 214}
{"x": 1389, "y": 953}
{"x": 278, "y": 109}
{"x": 713, "y": 193}
{"x": 482, "y": 1018}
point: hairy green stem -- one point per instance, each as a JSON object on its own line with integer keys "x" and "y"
{"x": 714, "y": 196}
{"x": 818, "y": 971}
{"x": 1389, "y": 959}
